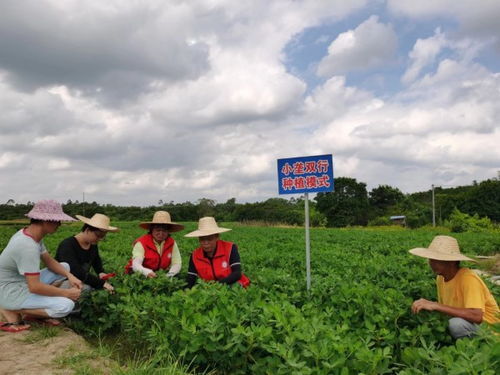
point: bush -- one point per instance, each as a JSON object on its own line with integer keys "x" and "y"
{"x": 379, "y": 221}
{"x": 461, "y": 222}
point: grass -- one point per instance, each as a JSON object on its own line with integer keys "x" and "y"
{"x": 155, "y": 365}
{"x": 124, "y": 360}
{"x": 41, "y": 334}
{"x": 87, "y": 362}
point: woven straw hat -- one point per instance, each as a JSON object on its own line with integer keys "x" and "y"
{"x": 162, "y": 217}
{"x": 48, "y": 210}
{"x": 441, "y": 248}
{"x": 206, "y": 227}
{"x": 98, "y": 221}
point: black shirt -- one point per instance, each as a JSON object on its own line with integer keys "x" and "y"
{"x": 80, "y": 261}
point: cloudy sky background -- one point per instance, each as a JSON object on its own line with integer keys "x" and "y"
{"x": 136, "y": 101}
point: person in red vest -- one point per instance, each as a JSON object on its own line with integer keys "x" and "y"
{"x": 215, "y": 259}
{"x": 156, "y": 250}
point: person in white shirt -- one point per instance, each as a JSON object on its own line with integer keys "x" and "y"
{"x": 26, "y": 291}
{"x": 156, "y": 250}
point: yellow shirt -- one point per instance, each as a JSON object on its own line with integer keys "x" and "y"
{"x": 467, "y": 290}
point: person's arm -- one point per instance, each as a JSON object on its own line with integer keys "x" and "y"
{"x": 192, "y": 274}
{"x": 56, "y": 267}
{"x": 97, "y": 262}
{"x": 471, "y": 314}
{"x": 67, "y": 252}
{"x": 37, "y": 287}
{"x": 138, "y": 258}
{"x": 176, "y": 265}
{"x": 235, "y": 264}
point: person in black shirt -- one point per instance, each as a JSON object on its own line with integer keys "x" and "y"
{"x": 215, "y": 259}
{"x": 82, "y": 254}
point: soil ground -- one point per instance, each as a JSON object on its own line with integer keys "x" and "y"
{"x": 47, "y": 351}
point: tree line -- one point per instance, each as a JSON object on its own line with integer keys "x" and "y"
{"x": 349, "y": 205}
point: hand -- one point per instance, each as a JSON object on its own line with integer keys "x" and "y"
{"x": 106, "y": 276}
{"x": 151, "y": 275}
{"x": 423, "y": 304}
{"x": 74, "y": 282}
{"x": 109, "y": 287}
{"x": 73, "y": 293}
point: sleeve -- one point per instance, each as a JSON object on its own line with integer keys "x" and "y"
{"x": 235, "y": 264}
{"x": 138, "y": 251}
{"x": 28, "y": 259}
{"x": 192, "y": 274}
{"x": 66, "y": 252}
{"x": 138, "y": 267}
{"x": 97, "y": 262}
{"x": 176, "y": 265}
{"x": 473, "y": 296}
{"x": 138, "y": 258}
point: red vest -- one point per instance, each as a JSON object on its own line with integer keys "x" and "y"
{"x": 152, "y": 258}
{"x": 218, "y": 268}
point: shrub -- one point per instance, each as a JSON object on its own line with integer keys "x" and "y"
{"x": 462, "y": 222}
{"x": 379, "y": 221}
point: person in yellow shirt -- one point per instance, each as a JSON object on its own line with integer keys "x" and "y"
{"x": 461, "y": 292}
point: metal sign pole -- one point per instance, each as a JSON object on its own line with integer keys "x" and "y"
{"x": 306, "y": 174}
{"x": 308, "y": 245}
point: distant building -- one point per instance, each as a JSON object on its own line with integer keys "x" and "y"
{"x": 400, "y": 220}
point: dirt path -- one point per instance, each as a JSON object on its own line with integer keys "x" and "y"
{"x": 47, "y": 351}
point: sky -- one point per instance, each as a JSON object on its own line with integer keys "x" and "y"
{"x": 131, "y": 102}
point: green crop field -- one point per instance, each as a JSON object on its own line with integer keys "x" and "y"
{"x": 355, "y": 320}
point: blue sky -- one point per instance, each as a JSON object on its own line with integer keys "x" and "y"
{"x": 133, "y": 102}
{"x": 304, "y": 51}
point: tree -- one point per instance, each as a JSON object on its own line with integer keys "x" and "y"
{"x": 206, "y": 207}
{"x": 382, "y": 198}
{"x": 385, "y": 196}
{"x": 347, "y": 205}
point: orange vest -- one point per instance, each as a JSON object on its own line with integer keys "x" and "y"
{"x": 218, "y": 267}
{"x": 152, "y": 258}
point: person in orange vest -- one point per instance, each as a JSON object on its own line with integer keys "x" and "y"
{"x": 214, "y": 260}
{"x": 462, "y": 294}
{"x": 156, "y": 250}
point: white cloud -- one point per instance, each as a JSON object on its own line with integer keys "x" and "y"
{"x": 370, "y": 44}
{"x": 424, "y": 52}
{"x": 193, "y": 99}
{"x": 476, "y": 18}
{"x": 446, "y": 121}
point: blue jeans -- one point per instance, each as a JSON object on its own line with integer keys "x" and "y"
{"x": 55, "y": 307}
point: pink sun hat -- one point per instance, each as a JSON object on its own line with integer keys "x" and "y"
{"x": 48, "y": 210}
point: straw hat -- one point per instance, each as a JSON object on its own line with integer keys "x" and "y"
{"x": 98, "y": 221}
{"x": 206, "y": 227}
{"x": 48, "y": 210}
{"x": 441, "y": 248}
{"x": 162, "y": 217}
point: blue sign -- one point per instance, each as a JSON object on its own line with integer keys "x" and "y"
{"x": 307, "y": 174}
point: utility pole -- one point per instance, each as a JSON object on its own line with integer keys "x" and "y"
{"x": 433, "y": 208}
{"x": 83, "y": 203}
